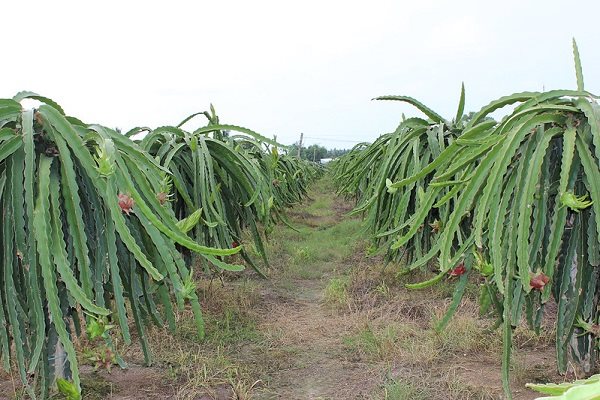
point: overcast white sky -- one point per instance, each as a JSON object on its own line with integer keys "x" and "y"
{"x": 283, "y": 67}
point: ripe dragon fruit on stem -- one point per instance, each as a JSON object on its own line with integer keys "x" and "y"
{"x": 458, "y": 270}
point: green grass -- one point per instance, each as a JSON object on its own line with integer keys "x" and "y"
{"x": 404, "y": 390}
{"x": 336, "y": 291}
{"x": 327, "y": 244}
{"x": 231, "y": 327}
{"x": 464, "y": 333}
{"x": 321, "y": 206}
{"x": 373, "y": 344}
{"x": 96, "y": 387}
{"x": 323, "y": 240}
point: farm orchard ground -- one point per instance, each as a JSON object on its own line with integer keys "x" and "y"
{"x": 330, "y": 323}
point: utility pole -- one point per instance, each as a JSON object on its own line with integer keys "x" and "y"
{"x": 314, "y": 153}
{"x": 300, "y": 145}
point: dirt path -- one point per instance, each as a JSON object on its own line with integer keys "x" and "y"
{"x": 302, "y": 319}
{"x": 320, "y": 368}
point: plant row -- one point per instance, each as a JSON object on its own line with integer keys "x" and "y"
{"x": 513, "y": 204}
{"x": 99, "y": 229}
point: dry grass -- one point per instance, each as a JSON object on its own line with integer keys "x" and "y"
{"x": 460, "y": 362}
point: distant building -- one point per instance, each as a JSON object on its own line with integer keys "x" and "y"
{"x": 325, "y": 160}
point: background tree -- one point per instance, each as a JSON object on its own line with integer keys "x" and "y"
{"x": 316, "y": 152}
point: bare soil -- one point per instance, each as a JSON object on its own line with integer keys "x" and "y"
{"x": 321, "y": 368}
